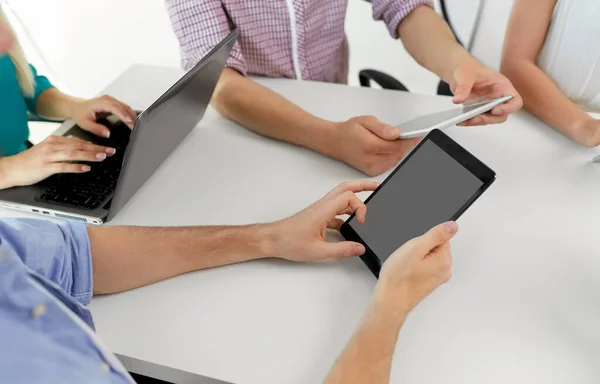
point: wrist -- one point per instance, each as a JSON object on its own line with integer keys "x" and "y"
{"x": 55, "y": 105}
{"x": 268, "y": 240}
{"x": 585, "y": 130}
{"x": 5, "y": 172}
{"x": 461, "y": 61}
{"x": 388, "y": 310}
{"x": 322, "y": 136}
{"x": 71, "y": 104}
{"x": 394, "y": 297}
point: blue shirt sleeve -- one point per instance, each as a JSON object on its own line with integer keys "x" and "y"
{"x": 41, "y": 84}
{"x": 59, "y": 252}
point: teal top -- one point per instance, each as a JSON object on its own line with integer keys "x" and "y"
{"x": 14, "y": 131}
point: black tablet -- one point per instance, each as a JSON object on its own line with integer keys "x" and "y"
{"x": 436, "y": 183}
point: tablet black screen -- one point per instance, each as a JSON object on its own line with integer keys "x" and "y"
{"x": 429, "y": 189}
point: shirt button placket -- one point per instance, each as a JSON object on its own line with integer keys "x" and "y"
{"x": 300, "y": 7}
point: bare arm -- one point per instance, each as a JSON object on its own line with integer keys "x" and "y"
{"x": 129, "y": 257}
{"x": 264, "y": 111}
{"x": 525, "y": 37}
{"x": 124, "y": 258}
{"x": 5, "y": 172}
{"x": 363, "y": 142}
{"x": 408, "y": 276}
{"x": 199, "y": 26}
{"x": 62, "y": 154}
{"x": 55, "y": 105}
{"x": 368, "y": 355}
{"x": 428, "y": 39}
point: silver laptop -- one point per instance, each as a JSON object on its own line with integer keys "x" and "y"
{"x": 98, "y": 195}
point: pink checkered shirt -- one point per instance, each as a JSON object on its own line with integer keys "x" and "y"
{"x": 312, "y": 48}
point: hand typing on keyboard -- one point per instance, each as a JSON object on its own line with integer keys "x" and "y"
{"x": 52, "y": 156}
{"x": 86, "y": 114}
{"x": 91, "y": 189}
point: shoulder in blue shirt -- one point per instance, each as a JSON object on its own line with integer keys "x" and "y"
{"x": 45, "y": 267}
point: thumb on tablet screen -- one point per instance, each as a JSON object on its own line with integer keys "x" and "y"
{"x": 438, "y": 235}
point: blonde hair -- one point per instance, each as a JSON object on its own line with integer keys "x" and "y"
{"x": 16, "y": 54}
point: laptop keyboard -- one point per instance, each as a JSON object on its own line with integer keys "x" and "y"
{"x": 89, "y": 190}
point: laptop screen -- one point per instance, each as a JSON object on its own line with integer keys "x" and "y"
{"x": 164, "y": 125}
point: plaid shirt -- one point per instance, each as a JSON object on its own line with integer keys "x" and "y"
{"x": 306, "y": 42}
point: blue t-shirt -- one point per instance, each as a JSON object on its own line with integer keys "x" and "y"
{"x": 14, "y": 131}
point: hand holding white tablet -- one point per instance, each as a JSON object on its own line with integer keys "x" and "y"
{"x": 422, "y": 125}
{"x": 597, "y": 117}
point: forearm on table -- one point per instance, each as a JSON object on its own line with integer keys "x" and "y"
{"x": 55, "y": 105}
{"x": 429, "y": 40}
{"x": 368, "y": 356}
{"x": 264, "y": 111}
{"x": 124, "y": 258}
{"x": 543, "y": 98}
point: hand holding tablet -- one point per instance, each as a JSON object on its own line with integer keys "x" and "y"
{"x": 422, "y": 125}
{"x": 419, "y": 267}
{"x": 436, "y": 183}
{"x": 597, "y": 117}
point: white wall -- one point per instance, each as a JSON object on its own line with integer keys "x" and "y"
{"x": 89, "y": 43}
{"x": 86, "y": 43}
{"x": 488, "y": 43}
{"x": 371, "y": 46}
{"x": 462, "y": 15}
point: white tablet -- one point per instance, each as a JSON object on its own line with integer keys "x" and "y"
{"x": 422, "y": 125}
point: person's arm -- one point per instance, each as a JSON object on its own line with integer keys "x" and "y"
{"x": 56, "y": 105}
{"x": 525, "y": 37}
{"x": 56, "y": 154}
{"x": 61, "y": 154}
{"x": 123, "y": 258}
{"x": 429, "y": 40}
{"x": 368, "y": 356}
{"x": 268, "y": 113}
{"x": 199, "y": 26}
{"x": 128, "y": 257}
{"x": 408, "y": 276}
{"x": 50, "y": 103}
{"x": 363, "y": 142}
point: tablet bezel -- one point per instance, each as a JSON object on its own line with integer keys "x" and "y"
{"x": 458, "y": 153}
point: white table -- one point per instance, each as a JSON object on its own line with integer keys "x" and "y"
{"x": 523, "y": 305}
